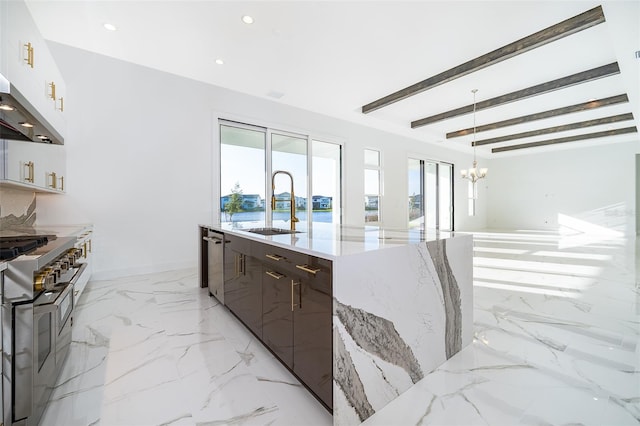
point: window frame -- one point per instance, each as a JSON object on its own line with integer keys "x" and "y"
{"x": 380, "y": 193}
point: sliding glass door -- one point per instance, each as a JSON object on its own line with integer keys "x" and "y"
{"x": 430, "y": 194}
{"x": 249, "y": 157}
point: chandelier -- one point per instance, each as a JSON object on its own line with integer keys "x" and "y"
{"x": 474, "y": 173}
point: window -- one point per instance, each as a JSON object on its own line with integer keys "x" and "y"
{"x": 430, "y": 194}
{"x": 372, "y": 187}
{"x": 326, "y": 181}
{"x": 249, "y": 155}
{"x": 471, "y": 195}
{"x": 242, "y": 174}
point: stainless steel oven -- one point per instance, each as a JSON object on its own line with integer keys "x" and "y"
{"x": 37, "y": 312}
{"x": 46, "y": 325}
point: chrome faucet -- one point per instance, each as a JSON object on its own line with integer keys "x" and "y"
{"x": 294, "y": 219}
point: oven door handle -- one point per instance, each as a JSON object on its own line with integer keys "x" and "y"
{"x": 45, "y": 309}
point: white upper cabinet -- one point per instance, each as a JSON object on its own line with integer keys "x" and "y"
{"x": 33, "y": 166}
{"x": 29, "y": 66}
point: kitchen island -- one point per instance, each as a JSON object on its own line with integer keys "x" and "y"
{"x": 368, "y": 311}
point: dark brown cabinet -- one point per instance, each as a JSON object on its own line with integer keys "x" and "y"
{"x": 277, "y": 316}
{"x": 242, "y": 285}
{"x": 285, "y": 298}
{"x": 312, "y": 336}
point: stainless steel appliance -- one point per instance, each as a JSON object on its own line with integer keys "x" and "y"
{"x": 215, "y": 263}
{"x": 37, "y": 315}
{"x": 15, "y": 110}
{"x": 12, "y": 247}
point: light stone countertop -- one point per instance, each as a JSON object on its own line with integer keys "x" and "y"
{"x": 330, "y": 241}
{"x": 57, "y": 230}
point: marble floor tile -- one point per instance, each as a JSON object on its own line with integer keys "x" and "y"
{"x": 556, "y": 341}
{"x": 157, "y": 349}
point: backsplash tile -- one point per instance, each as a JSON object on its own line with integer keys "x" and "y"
{"x": 17, "y": 208}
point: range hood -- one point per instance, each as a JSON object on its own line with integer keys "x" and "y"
{"x": 19, "y": 120}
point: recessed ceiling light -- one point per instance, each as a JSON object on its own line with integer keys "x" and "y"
{"x": 247, "y": 19}
{"x": 219, "y": 62}
{"x": 109, "y": 27}
{"x": 26, "y": 124}
{"x": 6, "y": 107}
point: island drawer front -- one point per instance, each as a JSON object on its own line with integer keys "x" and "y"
{"x": 237, "y": 244}
{"x": 291, "y": 262}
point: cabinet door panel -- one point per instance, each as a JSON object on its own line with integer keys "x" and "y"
{"x": 45, "y": 159}
{"x": 312, "y": 331}
{"x": 33, "y": 82}
{"x": 277, "y": 317}
{"x": 242, "y": 289}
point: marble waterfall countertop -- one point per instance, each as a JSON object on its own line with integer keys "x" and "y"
{"x": 330, "y": 241}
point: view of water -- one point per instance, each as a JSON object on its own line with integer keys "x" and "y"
{"x": 319, "y": 216}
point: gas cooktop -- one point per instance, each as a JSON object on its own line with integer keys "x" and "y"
{"x": 12, "y": 247}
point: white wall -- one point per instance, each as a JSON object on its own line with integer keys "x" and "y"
{"x": 637, "y": 194}
{"x": 140, "y": 160}
{"x": 591, "y": 189}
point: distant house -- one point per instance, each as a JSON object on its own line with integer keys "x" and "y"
{"x": 282, "y": 201}
{"x": 249, "y": 201}
{"x": 320, "y": 202}
{"x": 252, "y": 202}
{"x": 371, "y": 202}
{"x": 415, "y": 201}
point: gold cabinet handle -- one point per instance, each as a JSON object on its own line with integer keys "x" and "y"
{"x": 299, "y": 304}
{"x": 29, "y": 54}
{"x": 275, "y": 275}
{"x": 84, "y": 250}
{"x": 275, "y": 257}
{"x": 54, "y": 180}
{"x": 30, "y": 172}
{"x": 61, "y": 183}
{"x": 239, "y": 264}
{"x": 61, "y": 109}
{"x": 307, "y": 268}
{"x": 90, "y": 250}
{"x": 52, "y": 92}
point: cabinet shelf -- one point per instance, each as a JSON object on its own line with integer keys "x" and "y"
{"x": 28, "y": 187}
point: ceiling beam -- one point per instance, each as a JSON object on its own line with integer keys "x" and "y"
{"x": 562, "y": 29}
{"x": 563, "y": 128}
{"x": 585, "y": 106}
{"x": 539, "y": 89}
{"x": 575, "y": 138}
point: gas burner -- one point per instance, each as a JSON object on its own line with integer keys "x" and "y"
{"x": 12, "y": 247}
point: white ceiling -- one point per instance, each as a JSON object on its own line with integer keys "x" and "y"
{"x": 333, "y": 57}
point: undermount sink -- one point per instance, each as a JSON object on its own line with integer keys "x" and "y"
{"x": 272, "y": 231}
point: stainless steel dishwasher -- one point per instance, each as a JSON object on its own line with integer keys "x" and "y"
{"x": 215, "y": 245}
